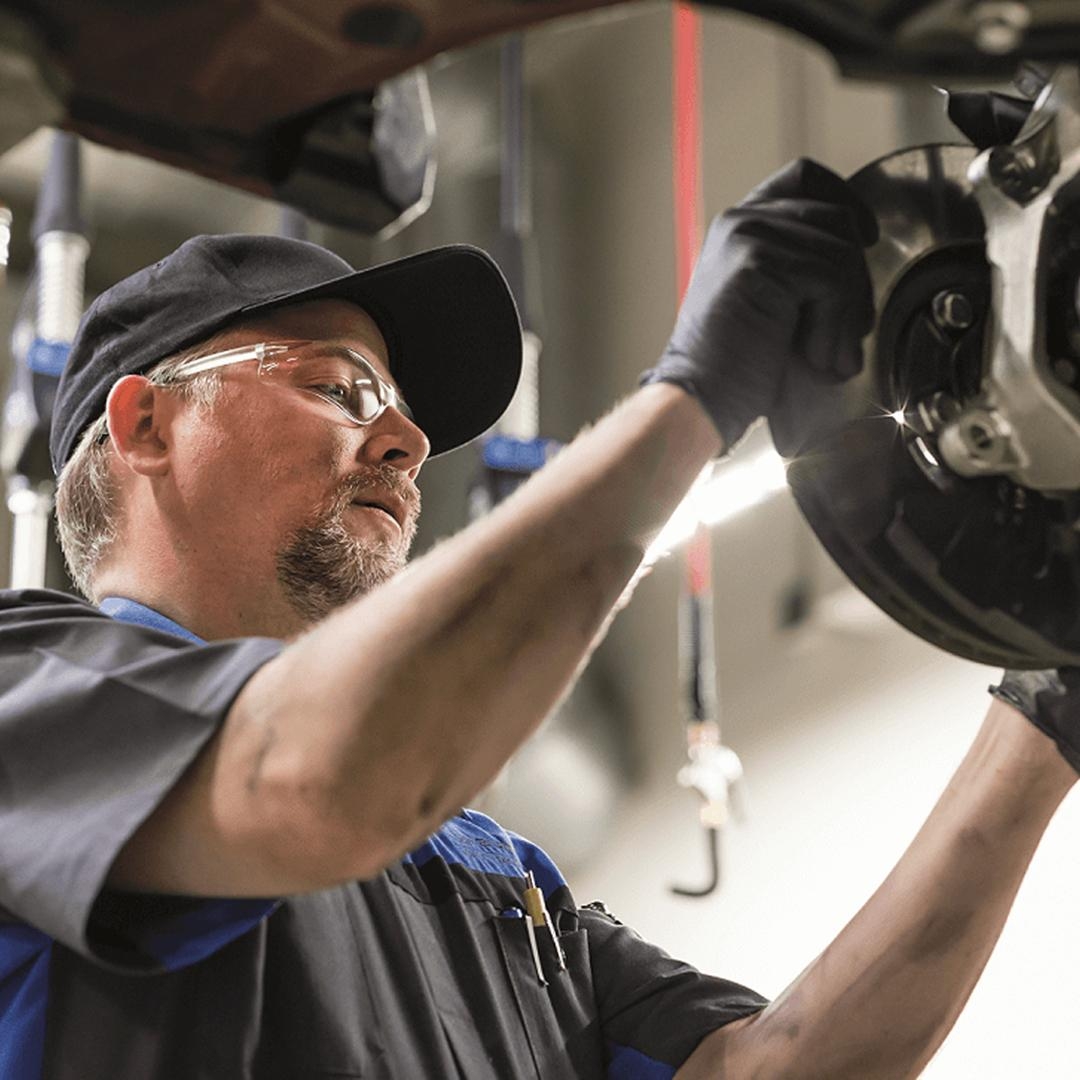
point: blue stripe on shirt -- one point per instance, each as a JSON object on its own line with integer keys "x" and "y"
{"x": 24, "y": 988}
{"x": 200, "y": 931}
{"x": 626, "y": 1063}
{"x": 476, "y": 842}
{"x": 536, "y": 859}
{"x": 473, "y": 841}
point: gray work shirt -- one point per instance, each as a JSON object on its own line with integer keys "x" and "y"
{"x": 423, "y": 971}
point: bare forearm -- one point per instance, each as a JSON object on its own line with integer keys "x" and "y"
{"x": 881, "y": 998}
{"x": 416, "y": 695}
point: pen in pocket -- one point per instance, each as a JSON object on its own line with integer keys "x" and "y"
{"x": 537, "y": 909}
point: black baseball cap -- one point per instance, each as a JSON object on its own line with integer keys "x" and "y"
{"x": 447, "y": 315}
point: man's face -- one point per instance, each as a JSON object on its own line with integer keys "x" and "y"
{"x": 280, "y": 487}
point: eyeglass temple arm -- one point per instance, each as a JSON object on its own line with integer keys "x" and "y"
{"x": 230, "y": 356}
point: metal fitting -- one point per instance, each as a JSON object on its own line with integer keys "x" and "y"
{"x": 1021, "y": 171}
{"x": 976, "y": 443}
{"x": 952, "y": 310}
{"x": 936, "y": 411}
{"x": 61, "y": 261}
{"x": 1015, "y": 171}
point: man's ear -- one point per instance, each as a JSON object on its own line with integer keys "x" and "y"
{"x": 139, "y": 414}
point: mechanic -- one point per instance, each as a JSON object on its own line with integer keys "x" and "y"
{"x": 230, "y": 837}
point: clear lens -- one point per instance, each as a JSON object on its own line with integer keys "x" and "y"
{"x": 334, "y": 373}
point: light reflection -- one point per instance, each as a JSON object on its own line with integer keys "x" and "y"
{"x": 927, "y": 456}
{"x": 722, "y": 491}
{"x": 728, "y": 488}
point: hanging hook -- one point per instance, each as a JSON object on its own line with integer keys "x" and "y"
{"x": 715, "y": 772}
{"x": 712, "y": 844}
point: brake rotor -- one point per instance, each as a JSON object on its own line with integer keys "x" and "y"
{"x": 981, "y": 567}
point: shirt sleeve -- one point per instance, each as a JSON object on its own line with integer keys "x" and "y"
{"x": 653, "y": 1010}
{"x": 98, "y": 720}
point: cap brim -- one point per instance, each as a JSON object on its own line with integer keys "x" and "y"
{"x": 452, "y": 330}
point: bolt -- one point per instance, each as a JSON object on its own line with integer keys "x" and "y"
{"x": 952, "y": 310}
{"x": 937, "y": 410}
{"x": 1017, "y": 172}
{"x": 1000, "y": 25}
{"x": 976, "y": 443}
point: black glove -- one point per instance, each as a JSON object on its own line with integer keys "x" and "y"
{"x": 1051, "y": 701}
{"x": 781, "y": 278}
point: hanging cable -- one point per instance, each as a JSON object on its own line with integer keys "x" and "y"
{"x": 515, "y": 450}
{"x": 712, "y": 769}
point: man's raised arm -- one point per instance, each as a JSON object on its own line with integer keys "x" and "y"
{"x": 880, "y": 999}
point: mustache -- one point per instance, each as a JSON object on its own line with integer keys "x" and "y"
{"x": 371, "y": 480}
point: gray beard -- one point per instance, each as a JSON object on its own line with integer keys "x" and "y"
{"x": 323, "y": 566}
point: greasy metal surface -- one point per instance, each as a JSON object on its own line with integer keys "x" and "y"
{"x": 229, "y": 88}
{"x": 239, "y": 65}
{"x": 980, "y": 567}
{"x": 226, "y": 87}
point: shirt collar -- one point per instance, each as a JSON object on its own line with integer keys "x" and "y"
{"x": 131, "y": 611}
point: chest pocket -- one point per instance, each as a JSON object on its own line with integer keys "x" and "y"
{"x": 472, "y": 977}
{"x": 560, "y": 1019}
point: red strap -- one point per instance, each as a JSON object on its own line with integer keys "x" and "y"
{"x": 686, "y": 99}
{"x": 686, "y": 110}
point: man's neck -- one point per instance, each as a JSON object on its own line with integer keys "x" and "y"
{"x": 210, "y": 617}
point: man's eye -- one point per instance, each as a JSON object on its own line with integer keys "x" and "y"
{"x": 331, "y": 390}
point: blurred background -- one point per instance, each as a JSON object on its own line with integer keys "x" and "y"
{"x": 847, "y": 726}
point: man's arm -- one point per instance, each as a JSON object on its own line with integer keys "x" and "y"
{"x": 375, "y": 727}
{"x": 881, "y": 998}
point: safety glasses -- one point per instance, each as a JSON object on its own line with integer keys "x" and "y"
{"x": 335, "y": 374}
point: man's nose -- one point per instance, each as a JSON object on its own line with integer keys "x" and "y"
{"x": 393, "y": 439}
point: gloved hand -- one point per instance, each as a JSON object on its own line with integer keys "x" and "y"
{"x": 781, "y": 279}
{"x": 1051, "y": 701}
